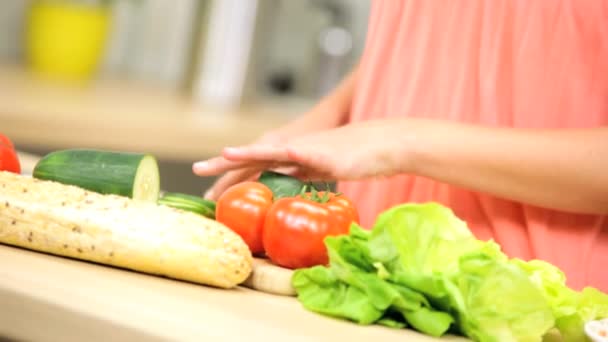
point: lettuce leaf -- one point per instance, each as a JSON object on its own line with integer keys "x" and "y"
{"x": 495, "y": 301}
{"x": 420, "y": 246}
{"x": 571, "y": 309}
{"x": 356, "y": 288}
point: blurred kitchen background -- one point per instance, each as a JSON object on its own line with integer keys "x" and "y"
{"x": 178, "y": 79}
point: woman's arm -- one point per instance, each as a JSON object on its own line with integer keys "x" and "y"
{"x": 561, "y": 169}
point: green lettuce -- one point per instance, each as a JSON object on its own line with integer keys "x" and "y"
{"x": 570, "y": 308}
{"x": 495, "y": 300}
{"x": 357, "y": 288}
{"x": 421, "y": 268}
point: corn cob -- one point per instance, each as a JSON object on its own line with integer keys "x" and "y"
{"x": 69, "y": 221}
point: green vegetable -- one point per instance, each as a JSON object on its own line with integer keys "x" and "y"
{"x": 496, "y": 301}
{"x": 420, "y": 267}
{"x": 352, "y": 289}
{"x": 188, "y": 202}
{"x": 571, "y": 309}
{"x": 281, "y": 185}
{"x": 133, "y": 175}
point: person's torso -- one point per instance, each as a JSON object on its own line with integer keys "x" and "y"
{"x": 510, "y": 63}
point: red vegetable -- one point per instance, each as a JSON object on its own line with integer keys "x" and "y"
{"x": 8, "y": 157}
{"x": 295, "y": 227}
{"x": 242, "y": 208}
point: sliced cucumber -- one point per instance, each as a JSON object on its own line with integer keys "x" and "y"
{"x": 133, "y": 175}
{"x": 187, "y": 202}
{"x": 282, "y": 185}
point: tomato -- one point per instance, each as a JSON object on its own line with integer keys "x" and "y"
{"x": 296, "y": 227}
{"x": 243, "y": 208}
{"x": 4, "y": 140}
{"x": 8, "y": 157}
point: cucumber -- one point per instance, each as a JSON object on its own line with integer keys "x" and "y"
{"x": 282, "y": 185}
{"x": 187, "y": 202}
{"x": 133, "y": 175}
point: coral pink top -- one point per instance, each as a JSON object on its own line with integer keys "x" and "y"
{"x": 511, "y": 63}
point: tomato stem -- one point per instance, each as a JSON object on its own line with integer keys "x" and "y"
{"x": 303, "y": 191}
{"x": 314, "y": 194}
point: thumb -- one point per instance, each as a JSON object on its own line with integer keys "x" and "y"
{"x": 226, "y": 181}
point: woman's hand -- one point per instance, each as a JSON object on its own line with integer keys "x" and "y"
{"x": 236, "y": 175}
{"x": 332, "y": 111}
{"x": 355, "y": 151}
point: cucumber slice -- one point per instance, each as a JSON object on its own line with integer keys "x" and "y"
{"x": 133, "y": 175}
{"x": 187, "y": 202}
{"x": 282, "y": 185}
{"x": 147, "y": 180}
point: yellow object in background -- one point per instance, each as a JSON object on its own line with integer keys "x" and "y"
{"x": 66, "y": 39}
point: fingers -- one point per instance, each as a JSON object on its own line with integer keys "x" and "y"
{"x": 243, "y": 163}
{"x": 234, "y": 158}
{"x": 216, "y": 166}
{"x": 287, "y": 170}
{"x": 228, "y": 180}
{"x": 234, "y": 177}
{"x": 307, "y": 159}
{"x": 236, "y": 172}
{"x": 219, "y": 165}
{"x": 257, "y": 153}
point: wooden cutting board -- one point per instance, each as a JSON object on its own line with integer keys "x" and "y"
{"x": 270, "y": 278}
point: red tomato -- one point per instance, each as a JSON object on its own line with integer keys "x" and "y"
{"x": 296, "y": 227}
{"x": 4, "y": 140}
{"x": 8, "y": 157}
{"x": 242, "y": 208}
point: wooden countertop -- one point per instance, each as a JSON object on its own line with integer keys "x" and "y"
{"x": 125, "y": 115}
{"x": 51, "y": 298}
